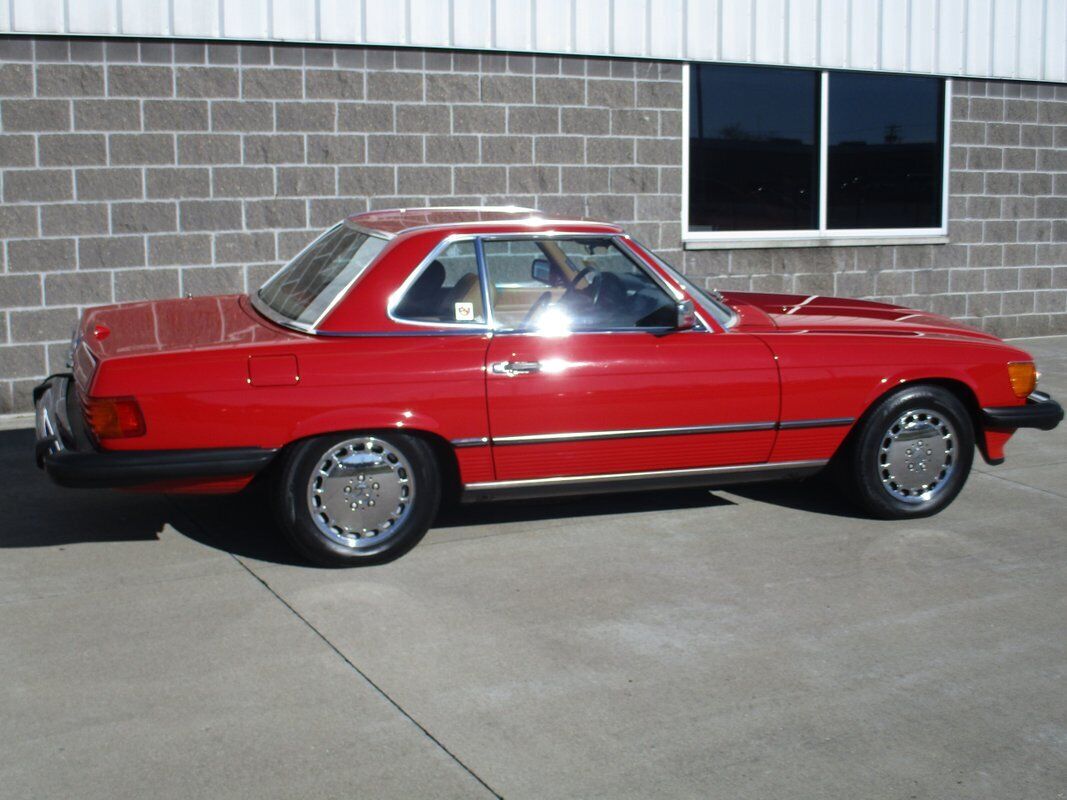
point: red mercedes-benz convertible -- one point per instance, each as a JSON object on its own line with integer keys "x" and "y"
{"x": 494, "y": 353}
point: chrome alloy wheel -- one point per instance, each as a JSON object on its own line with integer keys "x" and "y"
{"x": 917, "y": 455}
{"x": 360, "y": 491}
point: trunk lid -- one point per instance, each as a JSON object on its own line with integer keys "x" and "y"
{"x": 164, "y": 326}
{"x": 159, "y": 326}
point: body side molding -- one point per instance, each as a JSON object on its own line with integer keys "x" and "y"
{"x": 640, "y": 433}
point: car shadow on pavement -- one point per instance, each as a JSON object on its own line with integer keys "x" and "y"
{"x": 242, "y": 524}
{"x": 815, "y": 495}
{"x": 455, "y": 515}
{"x": 36, "y": 513}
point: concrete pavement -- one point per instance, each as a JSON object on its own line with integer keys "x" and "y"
{"x": 756, "y": 643}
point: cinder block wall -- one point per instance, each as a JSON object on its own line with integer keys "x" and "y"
{"x": 140, "y": 170}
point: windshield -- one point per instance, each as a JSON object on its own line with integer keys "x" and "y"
{"x": 720, "y": 312}
{"x": 305, "y": 287}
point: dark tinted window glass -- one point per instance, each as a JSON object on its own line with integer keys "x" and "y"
{"x": 753, "y": 148}
{"x": 448, "y": 289}
{"x": 885, "y": 151}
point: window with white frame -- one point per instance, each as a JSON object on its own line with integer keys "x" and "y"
{"x": 775, "y": 153}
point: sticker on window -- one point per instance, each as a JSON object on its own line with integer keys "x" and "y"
{"x": 464, "y": 312}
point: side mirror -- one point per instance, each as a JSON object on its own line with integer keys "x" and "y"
{"x": 541, "y": 271}
{"x": 687, "y": 318}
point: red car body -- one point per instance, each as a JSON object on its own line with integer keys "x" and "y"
{"x": 221, "y": 387}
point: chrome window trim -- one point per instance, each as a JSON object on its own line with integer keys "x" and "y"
{"x": 341, "y": 295}
{"x": 452, "y": 327}
{"x": 532, "y": 212}
{"x": 368, "y": 230}
{"x": 275, "y": 317}
{"x": 398, "y": 294}
{"x": 698, "y": 309}
{"x": 689, "y": 286}
{"x": 483, "y": 278}
{"x": 658, "y": 331}
{"x": 535, "y": 218}
{"x": 635, "y": 476}
{"x": 312, "y": 328}
{"x": 489, "y": 325}
{"x": 425, "y": 209}
{"x": 619, "y": 239}
{"x": 400, "y": 334}
{"x": 261, "y": 306}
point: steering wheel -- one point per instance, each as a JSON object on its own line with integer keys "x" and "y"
{"x": 573, "y": 286}
{"x": 535, "y": 309}
{"x": 609, "y": 286}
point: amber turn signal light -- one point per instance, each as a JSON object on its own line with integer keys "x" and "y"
{"x": 114, "y": 417}
{"x": 1023, "y": 377}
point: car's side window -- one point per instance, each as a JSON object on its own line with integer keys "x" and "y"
{"x": 584, "y": 283}
{"x": 447, "y": 290}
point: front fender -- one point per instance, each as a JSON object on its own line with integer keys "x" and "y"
{"x": 973, "y": 386}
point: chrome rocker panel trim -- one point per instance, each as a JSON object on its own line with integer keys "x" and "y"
{"x": 618, "y": 481}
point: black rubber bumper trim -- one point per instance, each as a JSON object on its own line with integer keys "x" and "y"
{"x": 70, "y": 458}
{"x": 1040, "y": 411}
{"x": 129, "y": 468}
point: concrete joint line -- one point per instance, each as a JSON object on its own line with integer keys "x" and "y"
{"x": 366, "y": 678}
{"x": 403, "y": 712}
{"x": 1026, "y": 486}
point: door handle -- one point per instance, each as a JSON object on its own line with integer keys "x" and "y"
{"x": 515, "y": 367}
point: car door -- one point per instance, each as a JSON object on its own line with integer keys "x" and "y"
{"x": 588, "y": 380}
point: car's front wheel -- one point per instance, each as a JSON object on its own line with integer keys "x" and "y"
{"x": 911, "y": 455}
{"x": 356, "y": 499}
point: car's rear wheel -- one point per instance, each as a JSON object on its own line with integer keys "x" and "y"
{"x": 912, "y": 453}
{"x": 354, "y": 499}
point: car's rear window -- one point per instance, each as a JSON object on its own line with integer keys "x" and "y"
{"x": 305, "y": 287}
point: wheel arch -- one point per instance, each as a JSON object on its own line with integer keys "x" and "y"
{"x": 443, "y": 452}
{"x": 959, "y": 388}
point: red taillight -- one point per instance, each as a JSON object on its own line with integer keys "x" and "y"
{"x": 114, "y": 417}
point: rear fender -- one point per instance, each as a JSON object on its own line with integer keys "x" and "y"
{"x": 471, "y": 464}
{"x": 365, "y": 418}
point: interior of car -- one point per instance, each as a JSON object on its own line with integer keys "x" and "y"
{"x": 588, "y": 283}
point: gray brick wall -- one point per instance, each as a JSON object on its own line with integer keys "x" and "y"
{"x": 137, "y": 170}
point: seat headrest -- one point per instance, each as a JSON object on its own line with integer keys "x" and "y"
{"x": 429, "y": 282}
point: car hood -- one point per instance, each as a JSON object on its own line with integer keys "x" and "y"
{"x": 158, "y": 326}
{"x": 799, "y": 313}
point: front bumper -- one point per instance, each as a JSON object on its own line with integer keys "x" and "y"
{"x": 65, "y": 451}
{"x": 1040, "y": 411}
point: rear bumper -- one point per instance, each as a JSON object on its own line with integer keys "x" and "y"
{"x": 1040, "y": 411}
{"x": 69, "y": 457}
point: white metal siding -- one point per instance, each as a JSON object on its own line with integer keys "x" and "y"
{"x": 1012, "y": 39}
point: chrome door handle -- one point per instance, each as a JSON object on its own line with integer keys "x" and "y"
{"x": 515, "y": 367}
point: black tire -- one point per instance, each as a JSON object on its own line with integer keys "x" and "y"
{"x": 307, "y": 535}
{"x": 867, "y": 467}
